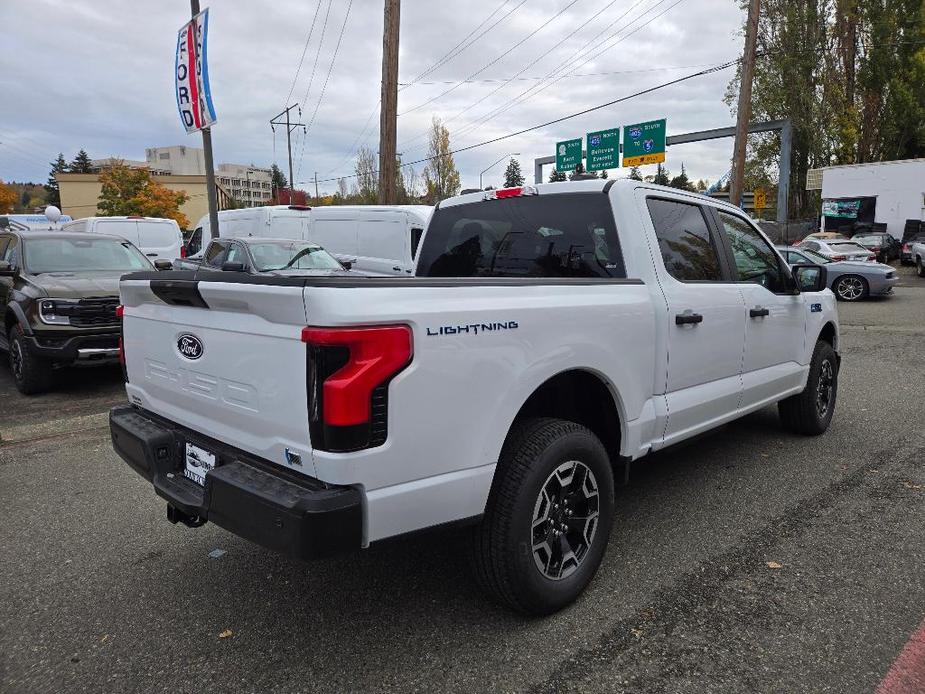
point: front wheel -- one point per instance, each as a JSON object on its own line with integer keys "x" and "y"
{"x": 31, "y": 374}
{"x": 850, "y": 288}
{"x": 548, "y": 518}
{"x": 810, "y": 412}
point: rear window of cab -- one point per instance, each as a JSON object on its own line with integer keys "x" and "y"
{"x": 552, "y": 235}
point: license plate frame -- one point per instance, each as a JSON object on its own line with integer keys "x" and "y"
{"x": 198, "y": 461}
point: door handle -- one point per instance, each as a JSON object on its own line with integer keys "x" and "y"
{"x": 151, "y": 255}
{"x": 396, "y": 268}
{"x": 759, "y": 312}
{"x": 688, "y": 318}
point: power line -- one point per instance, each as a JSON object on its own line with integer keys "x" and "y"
{"x": 532, "y": 63}
{"x": 324, "y": 87}
{"x": 648, "y": 90}
{"x": 597, "y": 50}
{"x": 492, "y": 80}
{"x": 561, "y": 67}
{"x": 304, "y": 49}
{"x": 453, "y": 52}
{"x": 492, "y": 62}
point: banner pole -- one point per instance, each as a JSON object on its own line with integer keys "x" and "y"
{"x": 207, "y": 155}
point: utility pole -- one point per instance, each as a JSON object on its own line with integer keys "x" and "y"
{"x": 274, "y": 121}
{"x": 316, "y": 187}
{"x": 388, "y": 114}
{"x": 211, "y": 193}
{"x": 743, "y": 114}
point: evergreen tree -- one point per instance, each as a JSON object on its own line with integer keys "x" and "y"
{"x": 602, "y": 173}
{"x": 662, "y": 177}
{"x": 681, "y": 180}
{"x": 278, "y": 179}
{"x": 556, "y": 176}
{"x": 54, "y": 194}
{"x": 513, "y": 176}
{"x": 635, "y": 174}
{"x": 81, "y": 163}
{"x": 579, "y": 170}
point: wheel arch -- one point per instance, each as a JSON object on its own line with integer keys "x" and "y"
{"x": 13, "y": 315}
{"x": 829, "y": 333}
{"x": 579, "y": 395}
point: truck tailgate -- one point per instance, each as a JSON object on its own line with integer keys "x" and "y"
{"x": 223, "y": 358}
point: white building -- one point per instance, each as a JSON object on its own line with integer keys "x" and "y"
{"x": 894, "y": 189}
{"x": 250, "y": 185}
{"x": 179, "y": 160}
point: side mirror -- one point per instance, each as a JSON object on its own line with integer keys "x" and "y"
{"x": 7, "y": 270}
{"x": 347, "y": 264}
{"x": 231, "y": 266}
{"x": 163, "y": 264}
{"x": 810, "y": 278}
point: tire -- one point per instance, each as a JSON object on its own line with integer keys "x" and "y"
{"x": 514, "y": 554}
{"x": 850, "y": 288}
{"x": 31, "y": 374}
{"x": 919, "y": 267}
{"x": 804, "y": 413}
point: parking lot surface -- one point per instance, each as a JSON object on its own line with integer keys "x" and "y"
{"x": 752, "y": 560}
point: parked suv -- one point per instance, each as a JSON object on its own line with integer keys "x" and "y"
{"x": 58, "y": 295}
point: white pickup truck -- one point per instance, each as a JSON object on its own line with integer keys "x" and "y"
{"x": 551, "y": 335}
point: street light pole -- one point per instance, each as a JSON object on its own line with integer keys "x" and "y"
{"x": 512, "y": 154}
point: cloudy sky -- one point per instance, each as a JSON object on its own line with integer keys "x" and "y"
{"x": 99, "y": 76}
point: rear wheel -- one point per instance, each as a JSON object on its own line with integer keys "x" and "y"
{"x": 850, "y": 288}
{"x": 810, "y": 412}
{"x": 919, "y": 267}
{"x": 31, "y": 374}
{"x": 548, "y": 518}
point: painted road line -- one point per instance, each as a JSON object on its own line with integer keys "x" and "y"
{"x": 907, "y": 675}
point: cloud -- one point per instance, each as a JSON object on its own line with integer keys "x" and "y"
{"x": 80, "y": 77}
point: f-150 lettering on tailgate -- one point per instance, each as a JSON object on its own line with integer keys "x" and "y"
{"x": 203, "y": 385}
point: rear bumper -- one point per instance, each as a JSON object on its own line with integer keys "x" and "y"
{"x": 102, "y": 348}
{"x": 299, "y": 516}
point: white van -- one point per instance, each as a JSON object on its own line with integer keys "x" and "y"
{"x": 156, "y": 237}
{"x": 375, "y": 239}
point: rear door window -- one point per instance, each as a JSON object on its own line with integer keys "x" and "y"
{"x": 552, "y": 235}
{"x": 687, "y": 247}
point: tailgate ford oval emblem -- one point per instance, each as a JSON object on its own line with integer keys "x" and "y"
{"x": 189, "y": 346}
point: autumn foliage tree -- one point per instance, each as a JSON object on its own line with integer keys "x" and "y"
{"x": 7, "y": 198}
{"x": 441, "y": 179}
{"x": 128, "y": 191}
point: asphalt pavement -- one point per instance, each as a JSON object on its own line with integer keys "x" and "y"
{"x": 751, "y": 561}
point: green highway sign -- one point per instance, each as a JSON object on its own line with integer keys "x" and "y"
{"x": 568, "y": 154}
{"x": 644, "y": 143}
{"x": 603, "y": 150}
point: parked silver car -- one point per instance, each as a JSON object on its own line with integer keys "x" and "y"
{"x": 851, "y": 280}
{"x": 837, "y": 250}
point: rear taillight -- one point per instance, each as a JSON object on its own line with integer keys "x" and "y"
{"x": 183, "y": 251}
{"x": 349, "y": 370}
{"x": 502, "y": 193}
{"x": 837, "y": 258}
{"x": 907, "y": 248}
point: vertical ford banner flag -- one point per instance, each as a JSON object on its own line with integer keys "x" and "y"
{"x": 194, "y": 98}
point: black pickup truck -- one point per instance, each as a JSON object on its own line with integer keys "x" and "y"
{"x": 58, "y": 295}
